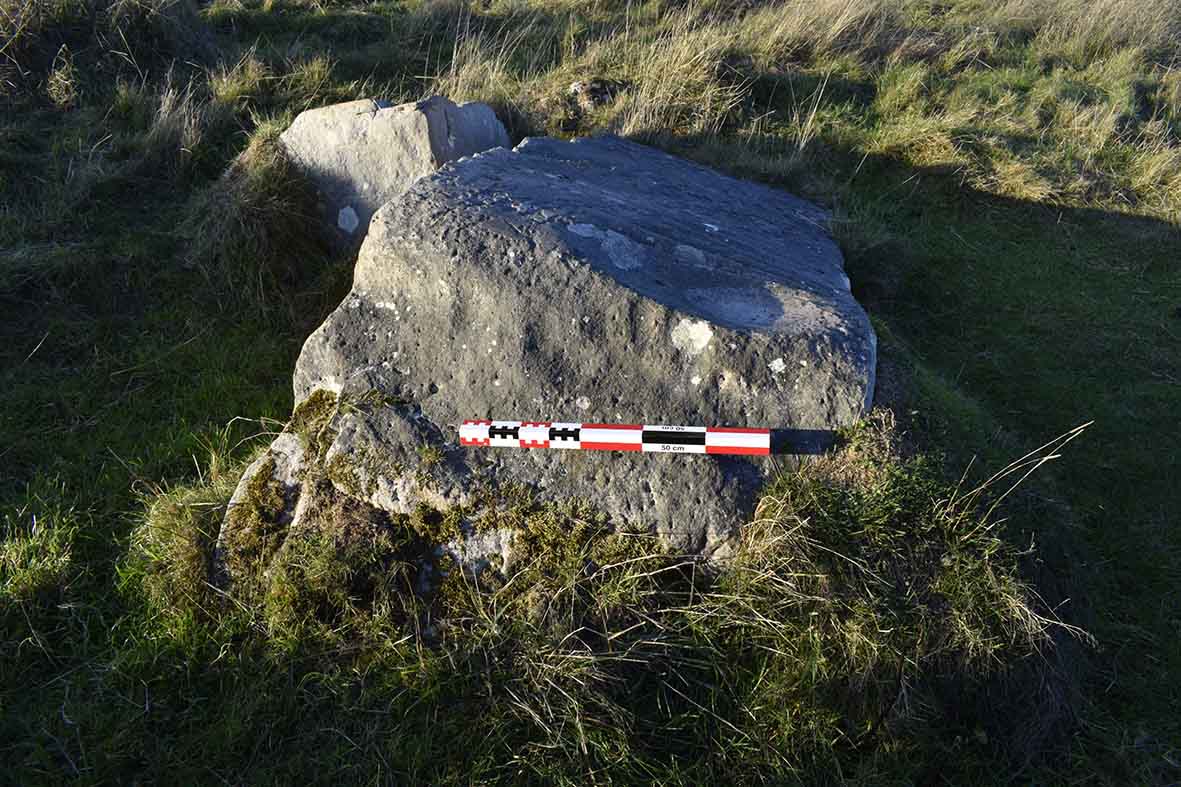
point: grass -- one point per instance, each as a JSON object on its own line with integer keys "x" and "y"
{"x": 821, "y": 646}
{"x": 1005, "y": 184}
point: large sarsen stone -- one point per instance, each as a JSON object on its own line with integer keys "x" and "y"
{"x": 593, "y": 281}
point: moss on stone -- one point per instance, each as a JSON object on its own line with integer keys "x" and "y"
{"x": 348, "y": 554}
{"x": 344, "y": 475}
{"x": 433, "y": 526}
{"x": 311, "y": 421}
{"x": 347, "y": 564}
{"x": 429, "y": 456}
{"x": 255, "y": 527}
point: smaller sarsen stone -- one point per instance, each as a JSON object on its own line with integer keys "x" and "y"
{"x": 362, "y": 154}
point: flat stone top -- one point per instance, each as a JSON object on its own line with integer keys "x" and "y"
{"x": 738, "y": 254}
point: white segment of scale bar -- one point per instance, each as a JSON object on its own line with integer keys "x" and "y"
{"x": 473, "y": 432}
{"x": 533, "y": 435}
{"x": 601, "y": 435}
{"x": 738, "y": 439}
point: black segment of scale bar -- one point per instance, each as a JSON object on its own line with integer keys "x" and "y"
{"x": 661, "y": 436}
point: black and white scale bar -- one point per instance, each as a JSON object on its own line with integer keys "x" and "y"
{"x": 615, "y": 437}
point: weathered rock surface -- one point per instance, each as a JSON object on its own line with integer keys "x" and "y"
{"x": 591, "y": 281}
{"x": 362, "y": 154}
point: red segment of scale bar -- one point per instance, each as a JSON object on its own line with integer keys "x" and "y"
{"x": 611, "y": 446}
{"x": 734, "y": 449}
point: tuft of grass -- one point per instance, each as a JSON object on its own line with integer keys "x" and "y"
{"x": 243, "y": 84}
{"x": 680, "y": 83}
{"x": 172, "y": 546}
{"x": 256, "y": 228}
{"x": 62, "y": 84}
{"x": 179, "y": 125}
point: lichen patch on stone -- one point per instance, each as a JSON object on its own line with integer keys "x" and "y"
{"x": 692, "y": 336}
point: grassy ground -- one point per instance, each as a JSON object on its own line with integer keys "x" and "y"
{"x": 1007, "y": 185}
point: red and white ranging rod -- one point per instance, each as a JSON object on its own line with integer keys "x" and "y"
{"x": 615, "y": 437}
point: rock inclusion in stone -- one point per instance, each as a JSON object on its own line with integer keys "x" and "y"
{"x": 593, "y": 281}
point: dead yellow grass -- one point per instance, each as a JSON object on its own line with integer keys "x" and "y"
{"x": 1086, "y": 28}
{"x": 792, "y": 30}
{"x": 679, "y": 83}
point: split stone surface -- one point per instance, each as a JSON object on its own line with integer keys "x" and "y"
{"x": 362, "y": 154}
{"x": 593, "y": 281}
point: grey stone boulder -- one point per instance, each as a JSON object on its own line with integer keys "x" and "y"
{"x": 593, "y": 281}
{"x": 362, "y": 154}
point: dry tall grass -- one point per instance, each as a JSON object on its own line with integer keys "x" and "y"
{"x": 143, "y": 33}
{"x": 490, "y": 66}
{"x": 180, "y": 120}
{"x": 1089, "y": 28}
{"x": 949, "y": 92}
{"x": 783, "y": 32}
{"x": 679, "y": 81}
